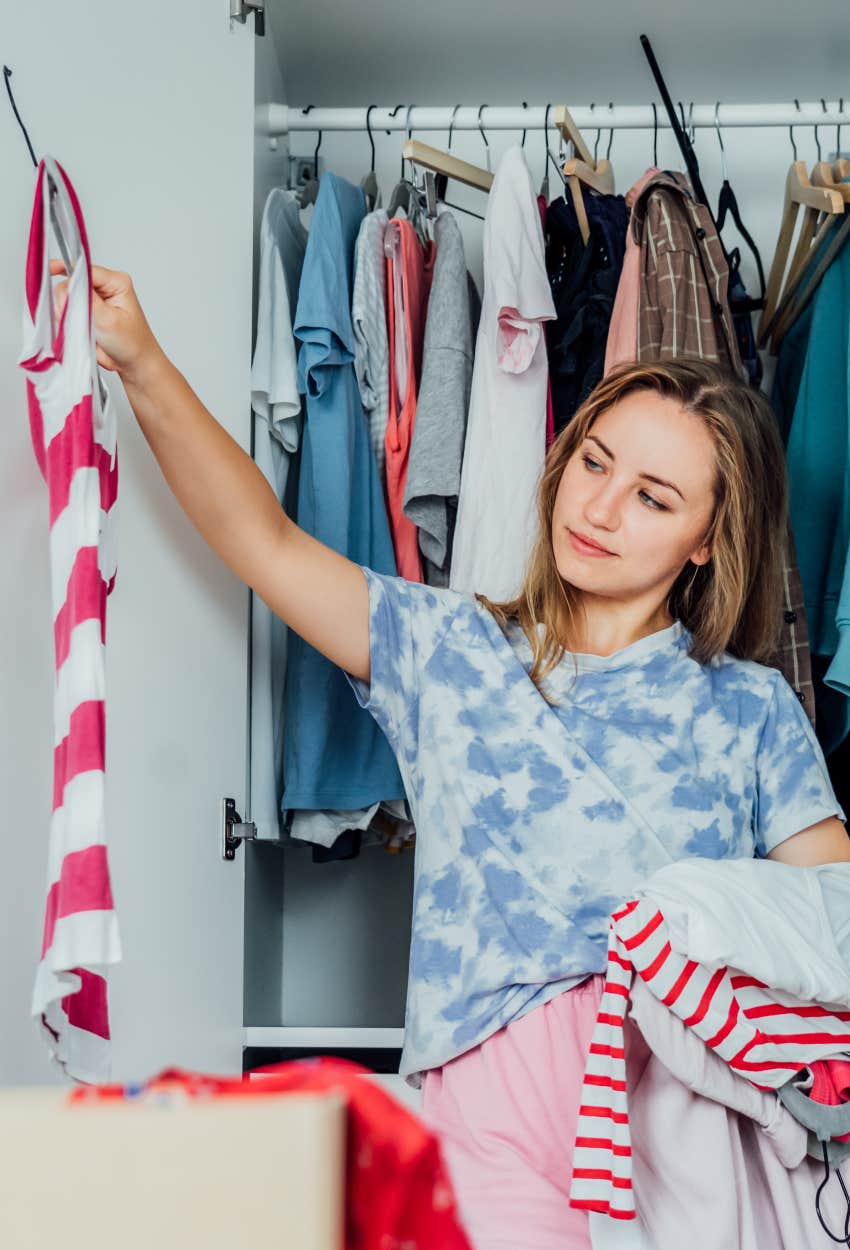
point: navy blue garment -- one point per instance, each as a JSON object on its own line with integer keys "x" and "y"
{"x": 583, "y": 280}
{"x": 335, "y": 756}
{"x": 742, "y": 320}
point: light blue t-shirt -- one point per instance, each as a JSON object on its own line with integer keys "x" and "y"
{"x": 534, "y": 822}
{"x": 334, "y": 755}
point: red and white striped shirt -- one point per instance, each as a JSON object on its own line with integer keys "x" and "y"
{"x": 73, "y": 428}
{"x": 763, "y": 1034}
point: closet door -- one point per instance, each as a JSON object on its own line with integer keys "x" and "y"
{"x": 149, "y": 107}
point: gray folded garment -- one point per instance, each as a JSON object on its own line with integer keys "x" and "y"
{"x": 824, "y": 1123}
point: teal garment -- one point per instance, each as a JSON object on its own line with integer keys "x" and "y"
{"x": 335, "y": 756}
{"x": 819, "y": 486}
{"x": 789, "y": 371}
{"x": 792, "y": 355}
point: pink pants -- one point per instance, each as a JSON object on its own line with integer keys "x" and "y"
{"x": 506, "y": 1116}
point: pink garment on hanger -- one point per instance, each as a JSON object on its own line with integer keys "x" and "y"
{"x": 622, "y": 332}
{"x": 416, "y": 264}
{"x": 543, "y": 207}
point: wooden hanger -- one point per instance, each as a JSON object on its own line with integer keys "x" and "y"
{"x": 581, "y": 171}
{"x": 791, "y": 306}
{"x": 579, "y": 174}
{"x": 799, "y": 192}
{"x": 813, "y": 231}
{"x": 444, "y": 163}
{"x": 562, "y": 119}
{"x": 811, "y": 285}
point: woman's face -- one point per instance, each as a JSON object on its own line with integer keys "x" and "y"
{"x": 641, "y": 486}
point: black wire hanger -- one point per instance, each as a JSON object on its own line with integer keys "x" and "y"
{"x": 728, "y": 203}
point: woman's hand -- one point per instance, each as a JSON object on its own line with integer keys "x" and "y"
{"x": 125, "y": 342}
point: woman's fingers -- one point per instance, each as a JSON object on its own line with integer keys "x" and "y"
{"x": 123, "y": 336}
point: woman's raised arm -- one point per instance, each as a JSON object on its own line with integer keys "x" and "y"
{"x": 319, "y": 593}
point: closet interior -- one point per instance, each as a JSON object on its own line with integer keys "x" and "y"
{"x": 327, "y": 943}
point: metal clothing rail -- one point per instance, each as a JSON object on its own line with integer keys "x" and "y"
{"x": 280, "y": 119}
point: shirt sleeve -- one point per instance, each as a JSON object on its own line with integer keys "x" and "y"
{"x": 793, "y": 789}
{"x": 407, "y": 621}
{"x": 515, "y": 265}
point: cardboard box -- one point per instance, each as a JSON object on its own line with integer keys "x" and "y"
{"x": 227, "y": 1174}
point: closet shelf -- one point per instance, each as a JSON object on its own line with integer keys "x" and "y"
{"x": 323, "y": 1038}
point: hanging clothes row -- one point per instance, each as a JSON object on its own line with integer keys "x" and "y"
{"x": 365, "y": 321}
{"x": 406, "y": 425}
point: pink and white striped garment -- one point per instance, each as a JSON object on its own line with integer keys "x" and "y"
{"x": 74, "y": 435}
{"x": 763, "y": 1034}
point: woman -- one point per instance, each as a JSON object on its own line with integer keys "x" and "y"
{"x": 555, "y": 750}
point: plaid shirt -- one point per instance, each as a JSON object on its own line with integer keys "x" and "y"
{"x": 683, "y": 310}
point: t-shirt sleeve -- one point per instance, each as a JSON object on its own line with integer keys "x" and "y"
{"x": 793, "y": 789}
{"x": 407, "y": 621}
{"x": 516, "y": 268}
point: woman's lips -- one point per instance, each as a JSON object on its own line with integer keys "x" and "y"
{"x": 586, "y": 548}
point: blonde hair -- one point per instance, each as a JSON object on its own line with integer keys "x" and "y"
{"x": 732, "y": 603}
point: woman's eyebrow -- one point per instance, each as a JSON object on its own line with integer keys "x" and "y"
{"x": 650, "y": 477}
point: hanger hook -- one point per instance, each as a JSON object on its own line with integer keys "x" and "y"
{"x": 483, "y": 136}
{"x": 720, "y": 141}
{"x": 549, "y": 155}
{"x": 393, "y": 113}
{"x": 654, "y": 135}
{"x": 7, "y": 74}
{"x": 610, "y": 133}
{"x": 369, "y": 133}
{"x": 452, "y": 124}
{"x": 791, "y": 132}
{"x": 838, "y": 130}
{"x": 306, "y": 111}
{"x": 525, "y": 132}
{"x": 692, "y": 130}
{"x": 409, "y": 130}
{"x": 817, "y": 136}
{"x": 598, "y": 133}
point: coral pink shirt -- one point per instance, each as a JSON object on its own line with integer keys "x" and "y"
{"x": 416, "y": 264}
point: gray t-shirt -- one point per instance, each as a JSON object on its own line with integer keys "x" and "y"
{"x": 369, "y": 319}
{"x": 436, "y": 452}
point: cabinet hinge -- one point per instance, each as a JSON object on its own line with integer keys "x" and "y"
{"x": 239, "y": 10}
{"x": 233, "y": 829}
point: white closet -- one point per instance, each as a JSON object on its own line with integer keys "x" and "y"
{"x": 151, "y": 108}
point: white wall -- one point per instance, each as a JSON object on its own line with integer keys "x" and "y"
{"x": 566, "y": 51}
{"x": 149, "y": 107}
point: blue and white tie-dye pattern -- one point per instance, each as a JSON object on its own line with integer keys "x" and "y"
{"x": 534, "y": 822}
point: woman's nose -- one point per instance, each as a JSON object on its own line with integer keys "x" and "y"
{"x": 603, "y": 509}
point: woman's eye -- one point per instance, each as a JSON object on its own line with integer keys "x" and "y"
{"x": 591, "y": 463}
{"x": 653, "y": 503}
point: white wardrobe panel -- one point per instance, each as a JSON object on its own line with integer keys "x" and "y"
{"x": 150, "y": 109}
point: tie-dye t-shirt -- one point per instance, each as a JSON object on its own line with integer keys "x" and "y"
{"x": 534, "y": 822}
